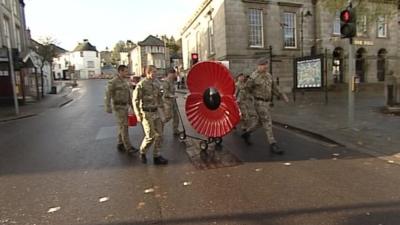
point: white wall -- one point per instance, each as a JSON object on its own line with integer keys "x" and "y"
{"x": 124, "y": 59}
{"x": 136, "y": 67}
{"x": 61, "y": 63}
{"x": 82, "y": 64}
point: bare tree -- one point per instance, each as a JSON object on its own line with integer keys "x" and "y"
{"x": 47, "y": 49}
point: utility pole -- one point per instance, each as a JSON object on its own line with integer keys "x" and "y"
{"x": 11, "y": 61}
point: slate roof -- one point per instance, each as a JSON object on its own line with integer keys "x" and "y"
{"x": 151, "y": 41}
{"x": 85, "y": 46}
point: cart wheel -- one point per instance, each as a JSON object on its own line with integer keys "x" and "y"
{"x": 203, "y": 145}
{"x": 182, "y": 136}
{"x": 218, "y": 141}
{"x": 203, "y": 155}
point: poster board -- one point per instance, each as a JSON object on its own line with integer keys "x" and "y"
{"x": 308, "y": 72}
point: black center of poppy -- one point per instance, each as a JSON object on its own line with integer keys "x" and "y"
{"x": 211, "y": 98}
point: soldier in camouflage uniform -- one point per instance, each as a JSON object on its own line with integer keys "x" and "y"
{"x": 245, "y": 102}
{"x": 261, "y": 87}
{"x": 169, "y": 100}
{"x": 118, "y": 91}
{"x": 146, "y": 102}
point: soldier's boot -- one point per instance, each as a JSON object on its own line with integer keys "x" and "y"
{"x": 121, "y": 148}
{"x": 132, "y": 150}
{"x": 274, "y": 148}
{"x": 246, "y": 138}
{"x": 159, "y": 160}
{"x": 143, "y": 158}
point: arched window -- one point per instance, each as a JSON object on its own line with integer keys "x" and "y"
{"x": 381, "y": 64}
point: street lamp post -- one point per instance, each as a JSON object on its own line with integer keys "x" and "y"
{"x": 308, "y": 13}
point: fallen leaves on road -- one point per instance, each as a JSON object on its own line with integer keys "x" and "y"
{"x": 258, "y": 170}
{"x": 336, "y": 154}
{"x": 360, "y": 143}
{"x": 287, "y": 164}
{"x": 54, "y": 209}
{"x": 187, "y": 183}
{"x": 140, "y": 205}
{"x": 391, "y": 161}
{"x": 104, "y": 199}
{"x": 149, "y": 190}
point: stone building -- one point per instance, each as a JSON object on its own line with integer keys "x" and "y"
{"x": 150, "y": 51}
{"x": 240, "y": 31}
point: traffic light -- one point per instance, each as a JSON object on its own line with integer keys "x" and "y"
{"x": 348, "y": 23}
{"x": 195, "y": 58}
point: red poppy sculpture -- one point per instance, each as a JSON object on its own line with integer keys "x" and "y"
{"x": 211, "y": 106}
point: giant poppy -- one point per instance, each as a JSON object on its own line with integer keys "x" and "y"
{"x": 211, "y": 106}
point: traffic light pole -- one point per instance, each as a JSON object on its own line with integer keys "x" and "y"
{"x": 350, "y": 118}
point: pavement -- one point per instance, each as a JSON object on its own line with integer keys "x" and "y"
{"x": 373, "y": 132}
{"x": 30, "y": 109}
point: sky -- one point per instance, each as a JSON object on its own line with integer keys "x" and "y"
{"x": 105, "y": 22}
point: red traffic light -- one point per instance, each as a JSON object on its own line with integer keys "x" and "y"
{"x": 345, "y": 16}
{"x": 195, "y": 56}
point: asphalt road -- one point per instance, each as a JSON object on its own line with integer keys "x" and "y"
{"x": 64, "y": 160}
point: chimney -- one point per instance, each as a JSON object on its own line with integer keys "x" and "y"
{"x": 85, "y": 40}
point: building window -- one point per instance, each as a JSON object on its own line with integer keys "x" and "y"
{"x": 90, "y": 64}
{"x": 382, "y": 27}
{"x": 6, "y": 25}
{"x": 211, "y": 37}
{"x": 336, "y": 24}
{"x": 154, "y": 49}
{"x": 157, "y": 63}
{"x": 81, "y": 53}
{"x": 197, "y": 41}
{"x": 289, "y": 30}
{"x": 14, "y": 7}
{"x": 362, "y": 25}
{"x": 18, "y": 38}
{"x": 147, "y": 49}
{"x": 256, "y": 28}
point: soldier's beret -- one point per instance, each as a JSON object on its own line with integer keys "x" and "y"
{"x": 262, "y": 61}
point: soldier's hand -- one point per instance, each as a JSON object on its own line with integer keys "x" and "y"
{"x": 285, "y": 98}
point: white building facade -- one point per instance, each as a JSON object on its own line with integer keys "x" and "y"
{"x": 82, "y": 63}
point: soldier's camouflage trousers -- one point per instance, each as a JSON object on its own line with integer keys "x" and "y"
{"x": 170, "y": 112}
{"x": 248, "y": 113}
{"x": 153, "y": 130}
{"x": 121, "y": 113}
{"x": 263, "y": 110}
